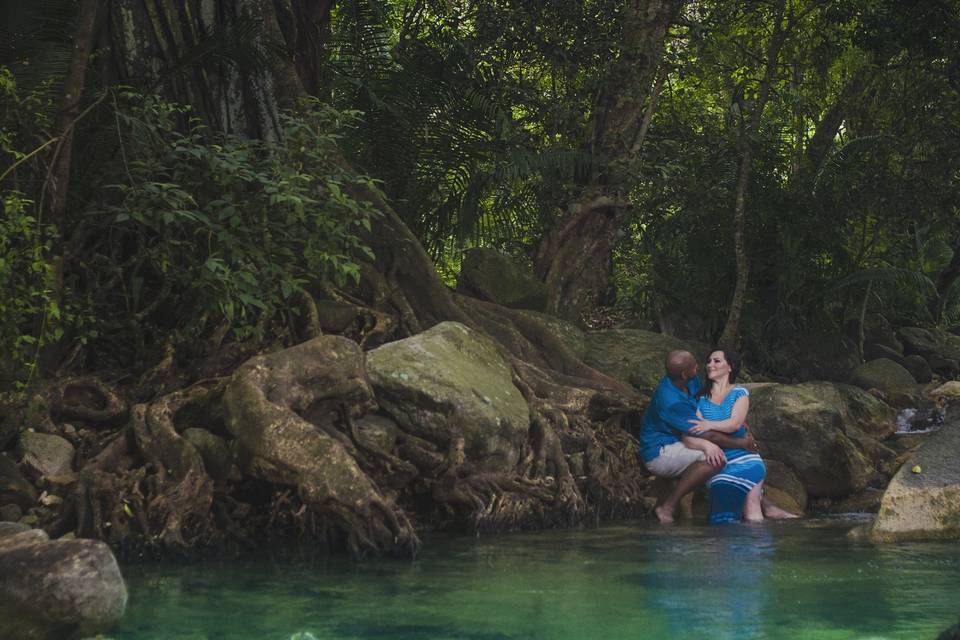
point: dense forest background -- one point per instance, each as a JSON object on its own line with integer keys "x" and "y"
{"x": 179, "y": 175}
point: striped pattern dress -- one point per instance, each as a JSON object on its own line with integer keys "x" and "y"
{"x": 743, "y": 471}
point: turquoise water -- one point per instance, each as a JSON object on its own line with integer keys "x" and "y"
{"x": 795, "y": 579}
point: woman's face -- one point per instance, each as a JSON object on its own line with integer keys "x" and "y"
{"x": 717, "y": 367}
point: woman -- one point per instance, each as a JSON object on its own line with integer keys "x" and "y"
{"x": 722, "y": 406}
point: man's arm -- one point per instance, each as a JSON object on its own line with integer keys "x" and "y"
{"x": 731, "y": 424}
{"x": 714, "y": 454}
{"x": 727, "y": 441}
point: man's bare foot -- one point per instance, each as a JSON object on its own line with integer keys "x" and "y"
{"x": 773, "y": 512}
{"x": 664, "y": 514}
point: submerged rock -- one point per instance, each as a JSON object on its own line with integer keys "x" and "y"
{"x": 923, "y": 499}
{"x": 450, "y": 382}
{"x": 57, "y": 589}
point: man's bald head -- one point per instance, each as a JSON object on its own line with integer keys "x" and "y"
{"x": 678, "y": 363}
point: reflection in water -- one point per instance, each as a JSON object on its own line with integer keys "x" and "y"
{"x": 738, "y": 582}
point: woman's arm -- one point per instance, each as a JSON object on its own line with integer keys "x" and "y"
{"x": 737, "y": 417}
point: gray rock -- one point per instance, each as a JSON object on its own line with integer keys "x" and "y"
{"x": 11, "y": 528}
{"x": 918, "y": 367}
{"x": 811, "y": 427}
{"x": 57, "y": 589}
{"x": 946, "y": 367}
{"x": 926, "y": 342}
{"x": 883, "y": 374}
{"x": 879, "y": 331}
{"x": 489, "y": 275}
{"x": 44, "y": 454}
{"x": 216, "y": 454}
{"x": 783, "y": 487}
{"x": 923, "y": 499}
{"x": 570, "y": 334}
{"x": 873, "y": 351}
{"x": 450, "y": 382}
{"x": 378, "y": 432}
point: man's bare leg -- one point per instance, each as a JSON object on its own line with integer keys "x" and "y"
{"x": 751, "y": 506}
{"x": 774, "y": 512}
{"x": 693, "y": 476}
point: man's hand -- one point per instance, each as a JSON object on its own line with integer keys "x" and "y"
{"x": 715, "y": 455}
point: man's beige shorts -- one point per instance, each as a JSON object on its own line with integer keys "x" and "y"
{"x": 674, "y": 460}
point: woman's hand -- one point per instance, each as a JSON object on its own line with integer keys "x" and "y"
{"x": 700, "y": 426}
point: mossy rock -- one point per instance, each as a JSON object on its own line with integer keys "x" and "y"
{"x": 811, "y": 428}
{"x": 451, "y": 381}
{"x": 883, "y": 374}
{"x": 635, "y": 356}
{"x": 490, "y": 275}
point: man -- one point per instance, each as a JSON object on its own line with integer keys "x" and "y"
{"x": 666, "y": 449}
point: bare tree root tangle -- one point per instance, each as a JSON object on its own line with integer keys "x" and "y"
{"x": 282, "y": 408}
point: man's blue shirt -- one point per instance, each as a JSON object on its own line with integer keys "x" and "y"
{"x": 668, "y": 416}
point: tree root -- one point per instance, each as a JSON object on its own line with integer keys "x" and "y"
{"x": 282, "y": 408}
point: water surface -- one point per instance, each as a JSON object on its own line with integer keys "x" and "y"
{"x": 796, "y": 579}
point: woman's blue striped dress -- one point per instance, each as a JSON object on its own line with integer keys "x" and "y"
{"x": 743, "y": 471}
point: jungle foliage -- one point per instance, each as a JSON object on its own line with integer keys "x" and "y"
{"x": 479, "y": 122}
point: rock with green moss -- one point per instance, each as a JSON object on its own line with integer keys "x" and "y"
{"x": 926, "y": 342}
{"x": 635, "y": 356}
{"x": 490, "y": 275}
{"x": 451, "y": 382}
{"x": 922, "y": 502}
{"x": 814, "y": 427}
{"x": 883, "y": 374}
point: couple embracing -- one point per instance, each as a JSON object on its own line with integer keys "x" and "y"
{"x": 695, "y": 431}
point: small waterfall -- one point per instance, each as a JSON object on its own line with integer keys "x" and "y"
{"x": 923, "y": 419}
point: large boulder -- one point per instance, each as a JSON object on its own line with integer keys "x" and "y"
{"x": 448, "y": 383}
{"x": 813, "y": 429}
{"x": 883, "y": 374}
{"x": 57, "y": 589}
{"x": 918, "y": 368}
{"x": 923, "y": 499}
{"x": 874, "y": 351}
{"x": 490, "y": 275}
{"x": 878, "y": 330}
{"x": 45, "y": 454}
{"x": 635, "y": 356}
{"x": 926, "y": 342}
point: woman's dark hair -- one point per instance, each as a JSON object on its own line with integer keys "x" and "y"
{"x": 733, "y": 359}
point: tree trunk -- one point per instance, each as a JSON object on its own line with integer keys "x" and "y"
{"x": 569, "y": 402}
{"x": 748, "y": 131}
{"x": 62, "y": 156}
{"x": 575, "y": 258}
